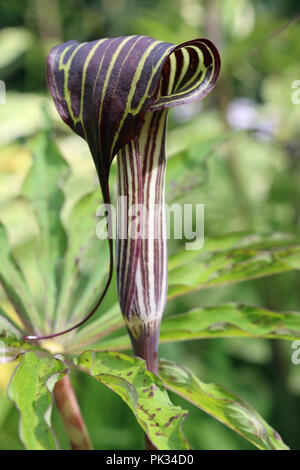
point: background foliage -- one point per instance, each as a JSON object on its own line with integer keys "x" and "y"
{"x": 238, "y": 153}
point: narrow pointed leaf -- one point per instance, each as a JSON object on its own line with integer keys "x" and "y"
{"x": 43, "y": 189}
{"x": 11, "y": 339}
{"x": 89, "y": 280}
{"x": 30, "y": 389}
{"x": 143, "y": 392}
{"x": 231, "y": 320}
{"x": 103, "y": 326}
{"x": 221, "y": 404}
{"x": 80, "y": 280}
{"x": 11, "y": 324}
{"x": 229, "y": 267}
{"x": 119, "y": 343}
{"x": 12, "y": 342}
{"x": 234, "y": 240}
{"x": 14, "y": 285}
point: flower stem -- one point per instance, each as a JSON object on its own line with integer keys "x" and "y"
{"x": 70, "y": 413}
{"x": 145, "y": 346}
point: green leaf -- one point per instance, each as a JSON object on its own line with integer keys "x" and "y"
{"x": 30, "y": 389}
{"x": 12, "y": 343}
{"x": 196, "y": 132}
{"x": 230, "y": 320}
{"x": 107, "y": 323}
{"x": 15, "y": 42}
{"x": 10, "y": 338}
{"x": 85, "y": 265}
{"x": 16, "y": 125}
{"x": 69, "y": 271}
{"x": 193, "y": 270}
{"x": 42, "y": 188}
{"x": 119, "y": 343}
{"x": 15, "y": 287}
{"x": 221, "y": 404}
{"x": 188, "y": 168}
{"x": 234, "y": 240}
{"x": 9, "y": 325}
{"x": 143, "y": 392}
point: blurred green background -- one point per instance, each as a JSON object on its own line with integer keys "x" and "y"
{"x": 247, "y": 177}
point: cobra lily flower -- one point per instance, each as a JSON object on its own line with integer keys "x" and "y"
{"x": 115, "y": 93}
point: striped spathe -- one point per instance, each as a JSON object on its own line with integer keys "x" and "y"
{"x": 115, "y": 93}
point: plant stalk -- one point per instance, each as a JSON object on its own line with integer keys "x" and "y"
{"x": 145, "y": 346}
{"x": 70, "y": 413}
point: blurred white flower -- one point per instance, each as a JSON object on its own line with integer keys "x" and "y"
{"x": 242, "y": 114}
{"x": 245, "y": 114}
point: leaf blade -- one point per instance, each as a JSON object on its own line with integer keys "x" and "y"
{"x": 11, "y": 340}
{"x": 206, "y": 270}
{"x": 230, "y": 320}
{"x": 143, "y": 392}
{"x": 221, "y": 404}
{"x": 42, "y": 189}
{"x": 29, "y": 389}
{"x": 14, "y": 285}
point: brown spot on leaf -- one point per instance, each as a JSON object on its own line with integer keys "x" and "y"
{"x": 151, "y": 394}
{"x": 172, "y": 419}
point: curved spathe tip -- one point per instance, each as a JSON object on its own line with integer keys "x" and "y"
{"x": 102, "y": 89}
